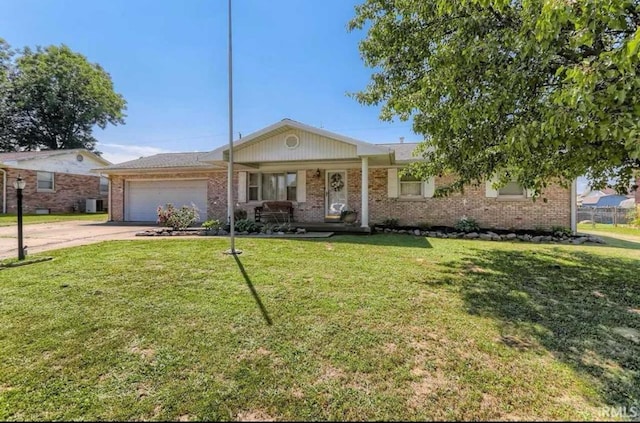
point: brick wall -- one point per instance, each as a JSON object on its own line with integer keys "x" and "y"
{"x": 489, "y": 212}
{"x": 216, "y": 191}
{"x": 70, "y": 191}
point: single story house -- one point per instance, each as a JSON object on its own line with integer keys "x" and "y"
{"x": 57, "y": 181}
{"x": 321, "y": 173}
{"x": 607, "y": 200}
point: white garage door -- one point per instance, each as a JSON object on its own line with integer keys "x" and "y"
{"x": 144, "y": 197}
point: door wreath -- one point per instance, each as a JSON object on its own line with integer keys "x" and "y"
{"x": 336, "y": 182}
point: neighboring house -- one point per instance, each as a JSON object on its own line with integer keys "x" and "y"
{"x": 607, "y": 200}
{"x": 321, "y": 173}
{"x": 57, "y": 180}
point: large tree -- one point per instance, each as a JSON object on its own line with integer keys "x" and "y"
{"x": 538, "y": 91}
{"x": 52, "y": 98}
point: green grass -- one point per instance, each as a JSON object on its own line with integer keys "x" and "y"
{"x": 12, "y": 219}
{"x": 609, "y": 228}
{"x": 381, "y": 327}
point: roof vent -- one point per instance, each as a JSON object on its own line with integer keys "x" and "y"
{"x": 291, "y": 141}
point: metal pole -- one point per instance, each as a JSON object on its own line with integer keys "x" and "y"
{"x": 230, "y": 205}
{"x": 20, "y": 247}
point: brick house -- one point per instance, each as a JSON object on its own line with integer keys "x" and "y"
{"x": 57, "y": 181}
{"x": 321, "y": 173}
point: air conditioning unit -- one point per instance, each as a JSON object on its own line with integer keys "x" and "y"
{"x": 90, "y": 205}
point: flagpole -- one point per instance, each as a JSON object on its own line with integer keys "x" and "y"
{"x": 230, "y": 205}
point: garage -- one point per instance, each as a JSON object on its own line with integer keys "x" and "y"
{"x": 143, "y": 197}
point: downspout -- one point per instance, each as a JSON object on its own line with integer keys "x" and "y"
{"x": 574, "y": 205}
{"x": 4, "y": 191}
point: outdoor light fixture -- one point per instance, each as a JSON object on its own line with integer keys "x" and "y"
{"x": 318, "y": 173}
{"x": 19, "y": 185}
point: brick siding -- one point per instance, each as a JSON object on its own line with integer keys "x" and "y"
{"x": 489, "y": 212}
{"x": 69, "y": 194}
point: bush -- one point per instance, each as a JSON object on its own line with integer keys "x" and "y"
{"x": 560, "y": 231}
{"x": 246, "y": 225}
{"x": 177, "y": 219}
{"x": 212, "y": 225}
{"x": 239, "y": 214}
{"x": 390, "y": 222}
{"x": 467, "y": 224}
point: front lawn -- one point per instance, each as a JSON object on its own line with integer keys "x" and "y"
{"x": 12, "y": 219}
{"x": 381, "y": 327}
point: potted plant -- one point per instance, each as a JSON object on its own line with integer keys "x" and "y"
{"x": 348, "y": 216}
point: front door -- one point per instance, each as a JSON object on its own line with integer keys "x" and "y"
{"x": 336, "y": 194}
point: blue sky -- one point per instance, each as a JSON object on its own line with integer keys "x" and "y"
{"x": 292, "y": 59}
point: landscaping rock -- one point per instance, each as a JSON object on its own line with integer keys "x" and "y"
{"x": 485, "y": 237}
{"x": 510, "y": 236}
{"x": 417, "y": 232}
{"x": 472, "y": 235}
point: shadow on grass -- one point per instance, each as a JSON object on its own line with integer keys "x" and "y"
{"x": 256, "y": 297}
{"x": 583, "y": 308}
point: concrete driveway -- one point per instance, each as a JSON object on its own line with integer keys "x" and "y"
{"x": 50, "y": 236}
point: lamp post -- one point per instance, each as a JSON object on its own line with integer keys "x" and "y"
{"x": 19, "y": 185}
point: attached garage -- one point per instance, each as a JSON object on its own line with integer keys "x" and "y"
{"x": 142, "y": 198}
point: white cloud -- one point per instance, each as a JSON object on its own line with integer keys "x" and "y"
{"x": 118, "y": 153}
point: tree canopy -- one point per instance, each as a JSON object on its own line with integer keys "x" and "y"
{"x": 536, "y": 91}
{"x": 52, "y": 98}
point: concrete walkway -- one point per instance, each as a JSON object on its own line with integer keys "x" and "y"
{"x": 50, "y": 236}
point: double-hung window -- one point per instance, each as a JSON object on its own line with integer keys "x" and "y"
{"x": 410, "y": 186}
{"x": 512, "y": 190}
{"x": 272, "y": 186}
{"x": 45, "y": 181}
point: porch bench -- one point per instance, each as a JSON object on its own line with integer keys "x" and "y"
{"x": 278, "y": 211}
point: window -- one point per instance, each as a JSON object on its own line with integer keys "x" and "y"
{"x": 272, "y": 186}
{"x": 512, "y": 189}
{"x": 410, "y": 186}
{"x": 45, "y": 181}
{"x": 104, "y": 185}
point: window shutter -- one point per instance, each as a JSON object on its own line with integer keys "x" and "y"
{"x": 489, "y": 190}
{"x": 392, "y": 183}
{"x": 429, "y": 187}
{"x": 301, "y": 186}
{"x": 242, "y": 187}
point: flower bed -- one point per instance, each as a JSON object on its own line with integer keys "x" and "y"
{"x": 487, "y": 235}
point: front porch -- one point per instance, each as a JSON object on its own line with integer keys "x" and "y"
{"x": 332, "y": 227}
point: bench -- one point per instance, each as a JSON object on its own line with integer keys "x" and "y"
{"x": 278, "y": 211}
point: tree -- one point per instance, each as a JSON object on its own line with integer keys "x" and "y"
{"x": 52, "y": 98}
{"x": 537, "y": 91}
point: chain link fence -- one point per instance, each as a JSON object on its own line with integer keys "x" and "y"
{"x": 610, "y": 215}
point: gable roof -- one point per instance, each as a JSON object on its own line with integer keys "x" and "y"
{"x": 163, "y": 161}
{"x": 19, "y": 156}
{"x": 362, "y": 148}
{"x": 403, "y": 151}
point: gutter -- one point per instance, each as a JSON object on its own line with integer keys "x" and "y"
{"x": 4, "y": 191}
{"x": 574, "y": 205}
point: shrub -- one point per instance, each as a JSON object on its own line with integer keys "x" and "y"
{"x": 246, "y": 225}
{"x": 467, "y": 224}
{"x": 560, "y": 231}
{"x": 239, "y": 214}
{"x": 633, "y": 217}
{"x": 212, "y": 224}
{"x": 390, "y": 222}
{"x": 177, "y": 219}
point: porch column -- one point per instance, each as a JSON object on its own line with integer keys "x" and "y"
{"x": 365, "y": 193}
